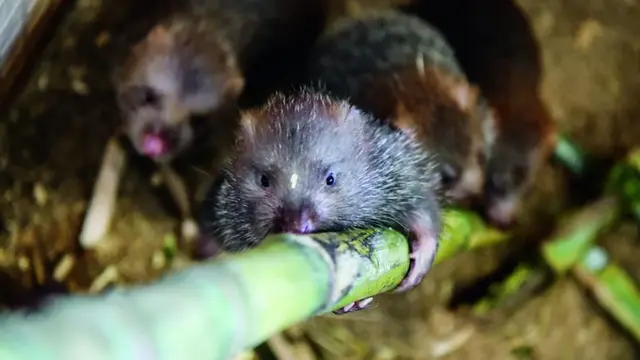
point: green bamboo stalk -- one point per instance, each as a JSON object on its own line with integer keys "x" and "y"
{"x": 213, "y": 311}
{"x": 570, "y": 155}
{"x": 577, "y": 233}
{"x": 571, "y": 249}
{"x": 612, "y": 287}
{"x": 465, "y": 230}
{"x": 565, "y": 247}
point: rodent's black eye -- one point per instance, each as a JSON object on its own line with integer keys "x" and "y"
{"x": 330, "y": 180}
{"x": 140, "y": 96}
{"x": 449, "y": 175}
{"x": 149, "y": 97}
{"x": 264, "y": 181}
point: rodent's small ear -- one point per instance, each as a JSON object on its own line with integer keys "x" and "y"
{"x": 235, "y": 86}
{"x": 247, "y": 125}
{"x": 403, "y": 119}
{"x": 338, "y": 111}
{"x": 464, "y": 94}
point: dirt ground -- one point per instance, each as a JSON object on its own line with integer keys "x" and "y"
{"x": 53, "y": 136}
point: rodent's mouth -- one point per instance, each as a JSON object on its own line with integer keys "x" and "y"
{"x": 295, "y": 228}
{"x": 157, "y": 143}
{"x": 502, "y": 211}
{"x": 291, "y": 230}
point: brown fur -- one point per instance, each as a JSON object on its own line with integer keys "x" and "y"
{"x": 499, "y": 51}
{"x": 525, "y": 137}
{"x": 440, "y": 109}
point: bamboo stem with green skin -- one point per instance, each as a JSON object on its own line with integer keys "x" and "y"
{"x": 574, "y": 236}
{"x": 612, "y": 288}
{"x": 577, "y": 232}
{"x": 571, "y": 249}
{"x": 215, "y": 310}
{"x": 570, "y": 155}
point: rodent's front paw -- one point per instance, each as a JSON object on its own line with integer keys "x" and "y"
{"x": 206, "y": 247}
{"x": 424, "y": 245}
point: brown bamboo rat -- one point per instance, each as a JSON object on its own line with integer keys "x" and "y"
{"x": 400, "y": 68}
{"x": 180, "y": 69}
{"x": 306, "y": 163}
{"x": 203, "y": 58}
{"x": 498, "y": 50}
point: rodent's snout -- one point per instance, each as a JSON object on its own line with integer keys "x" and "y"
{"x": 502, "y": 212}
{"x": 297, "y": 220}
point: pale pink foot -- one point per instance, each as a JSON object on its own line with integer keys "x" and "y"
{"x": 354, "y": 306}
{"x": 424, "y": 246}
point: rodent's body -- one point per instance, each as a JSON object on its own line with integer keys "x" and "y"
{"x": 402, "y": 69}
{"x": 307, "y": 163}
{"x": 498, "y": 50}
{"x": 204, "y": 58}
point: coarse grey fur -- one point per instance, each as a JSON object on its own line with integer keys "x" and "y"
{"x": 352, "y": 50}
{"x": 384, "y": 178}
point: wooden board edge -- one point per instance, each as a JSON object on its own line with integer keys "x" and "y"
{"x": 25, "y": 43}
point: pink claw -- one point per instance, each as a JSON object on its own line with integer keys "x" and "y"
{"x": 354, "y": 306}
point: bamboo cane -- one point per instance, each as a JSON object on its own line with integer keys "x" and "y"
{"x": 212, "y": 311}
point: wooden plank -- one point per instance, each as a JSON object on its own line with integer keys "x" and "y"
{"x": 40, "y": 15}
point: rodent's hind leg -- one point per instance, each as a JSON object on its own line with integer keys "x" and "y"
{"x": 354, "y": 306}
{"x": 423, "y": 248}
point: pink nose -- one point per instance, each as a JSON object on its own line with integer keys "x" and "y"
{"x": 295, "y": 221}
